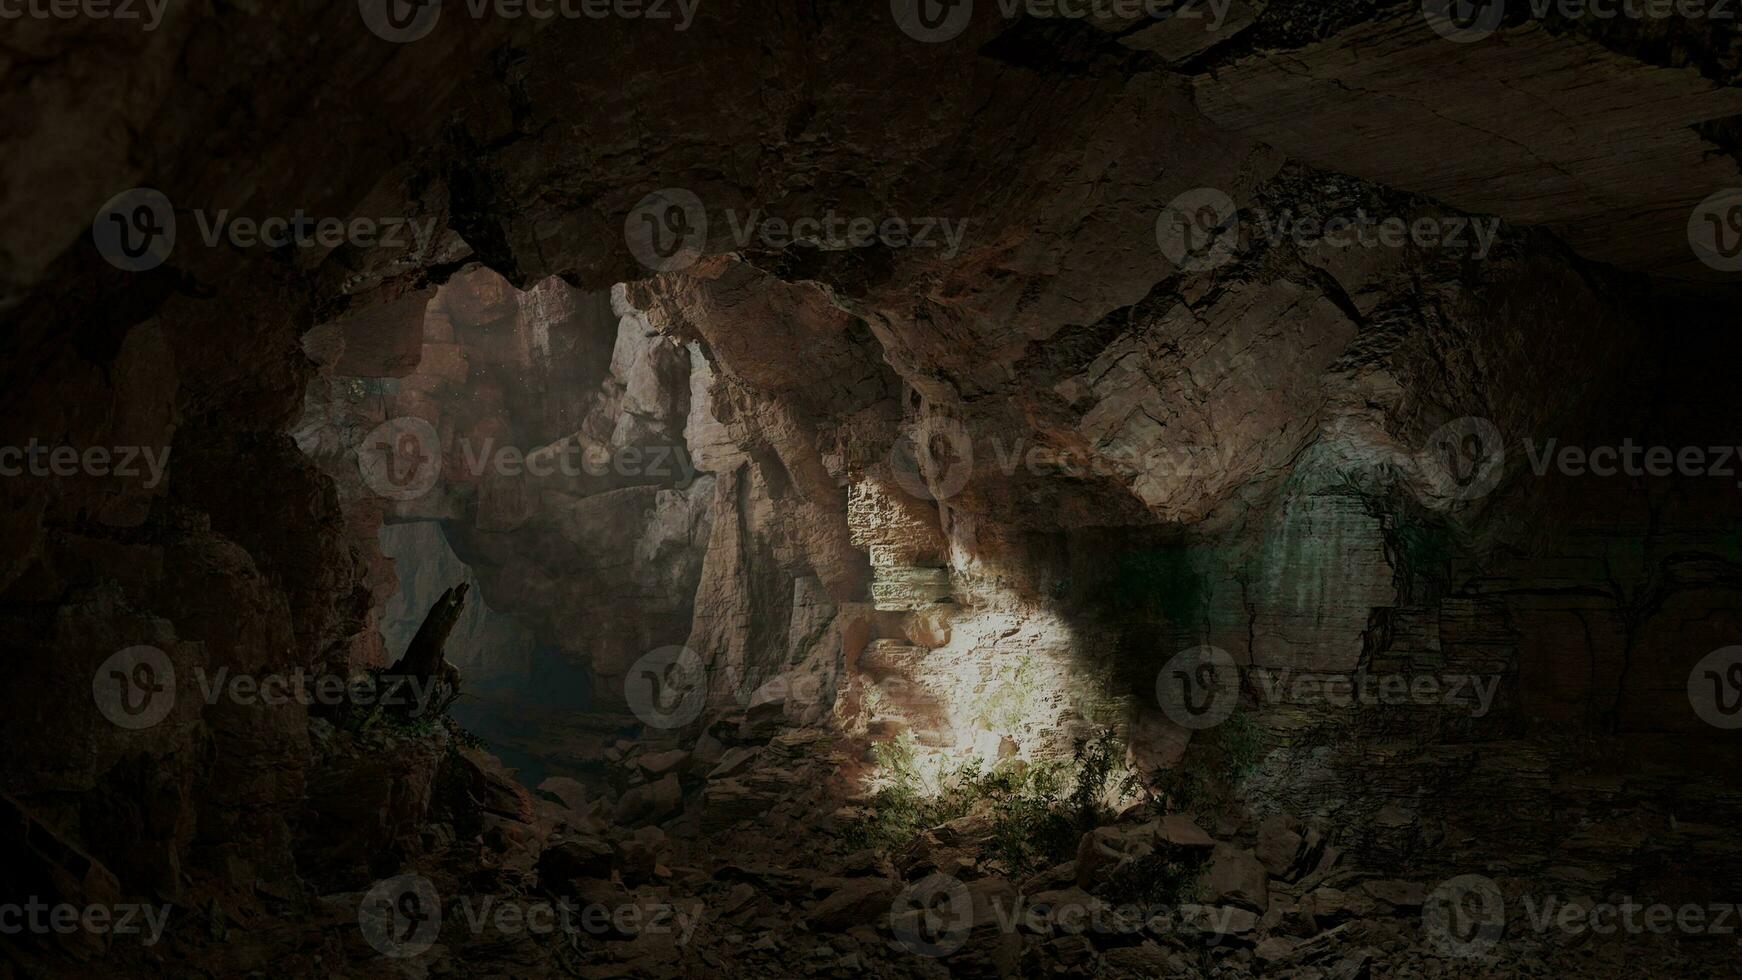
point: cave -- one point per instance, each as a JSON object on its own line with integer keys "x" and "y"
{"x": 1127, "y": 488}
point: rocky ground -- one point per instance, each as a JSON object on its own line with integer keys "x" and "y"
{"x": 743, "y": 855}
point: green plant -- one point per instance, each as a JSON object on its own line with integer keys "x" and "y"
{"x": 1167, "y": 875}
{"x": 1242, "y": 744}
{"x": 1222, "y": 756}
{"x": 911, "y": 802}
{"x": 375, "y": 703}
{"x": 1038, "y": 812}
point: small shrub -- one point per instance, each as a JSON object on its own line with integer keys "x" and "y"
{"x": 1038, "y": 812}
{"x": 1242, "y": 745}
{"x": 1167, "y": 876}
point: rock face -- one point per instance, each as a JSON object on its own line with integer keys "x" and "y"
{"x": 970, "y": 494}
{"x": 1512, "y": 137}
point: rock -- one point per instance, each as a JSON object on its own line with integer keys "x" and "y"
{"x": 1146, "y": 959}
{"x": 569, "y": 790}
{"x": 708, "y": 751}
{"x": 1104, "y": 850}
{"x": 1061, "y": 910}
{"x": 660, "y": 763}
{"x": 1274, "y": 949}
{"x": 1236, "y": 878}
{"x": 1405, "y": 896}
{"x": 365, "y": 799}
{"x": 766, "y": 713}
{"x": 857, "y": 900}
{"x": 866, "y": 862}
{"x": 727, "y": 801}
{"x": 928, "y": 627}
{"x": 641, "y": 853}
{"x": 1326, "y": 863}
{"x": 1279, "y": 845}
{"x": 1073, "y": 953}
{"x": 651, "y": 802}
{"x": 1355, "y": 966}
{"x": 490, "y": 787}
{"x": 1328, "y": 907}
{"x": 972, "y": 828}
{"x": 1180, "y": 830}
{"x": 1062, "y": 875}
{"x": 575, "y": 857}
{"x": 733, "y": 761}
{"x": 1217, "y": 922}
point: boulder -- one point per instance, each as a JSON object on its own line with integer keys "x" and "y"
{"x": 1280, "y": 845}
{"x": 1404, "y": 896}
{"x": 1104, "y": 850}
{"x": 651, "y": 802}
{"x": 574, "y": 857}
{"x": 857, "y": 901}
{"x": 1236, "y": 878}
{"x": 660, "y": 763}
{"x": 1180, "y": 830}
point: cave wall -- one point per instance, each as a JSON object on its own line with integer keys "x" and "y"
{"x": 1059, "y": 322}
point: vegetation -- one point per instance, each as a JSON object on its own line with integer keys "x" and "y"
{"x": 373, "y": 706}
{"x": 1220, "y": 757}
{"x": 1038, "y": 812}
